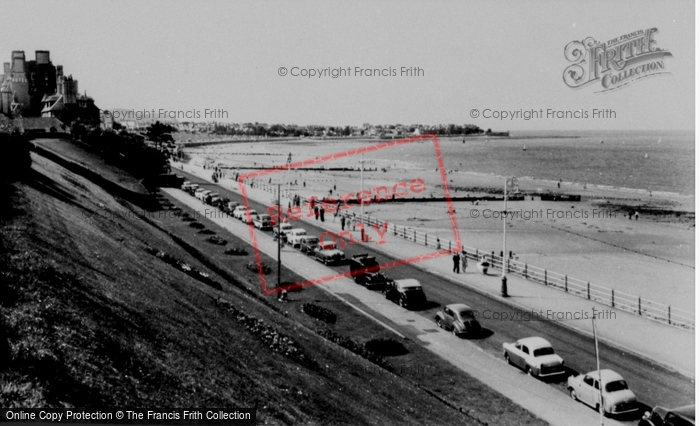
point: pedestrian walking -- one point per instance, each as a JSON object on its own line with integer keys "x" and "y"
{"x": 455, "y": 263}
{"x": 342, "y": 223}
{"x": 463, "y": 257}
{"x": 353, "y": 222}
{"x": 322, "y": 213}
{"x": 636, "y": 215}
{"x": 316, "y": 212}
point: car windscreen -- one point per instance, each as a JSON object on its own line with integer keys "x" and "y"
{"x": 616, "y": 386}
{"x": 543, "y": 351}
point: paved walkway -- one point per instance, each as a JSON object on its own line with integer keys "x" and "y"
{"x": 669, "y": 346}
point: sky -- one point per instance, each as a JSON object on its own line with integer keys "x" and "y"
{"x": 188, "y": 57}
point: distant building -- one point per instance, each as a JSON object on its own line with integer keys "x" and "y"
{"x": 39, "y": 89}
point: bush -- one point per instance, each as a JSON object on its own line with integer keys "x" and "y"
{"x": 196, "y": 225}
{"x": 319, "y": 312}
{"x": 206, "y": 232}
{"x": 235, "y": 251}
{"x": 215, "y": 239}
{"x": 253, "y": 266}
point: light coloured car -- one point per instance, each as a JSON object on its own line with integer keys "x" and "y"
{"x": 238, "y": 212}
{"x": 262, "y": 221}
{"x": 283, "y": 229}
{"x": 250, "y": 217}
{"x": 458, "y": 318}
{"x": 617, "y": 398}
{"x": 535, "y": 355}
{"x": 295, "y": 235}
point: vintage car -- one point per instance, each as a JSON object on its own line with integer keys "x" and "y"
{"x": 202, "y": 195}
{"x": 364, "y": 269}
{"x": 250, "y": 217}
{"x": 310, "y": 245}
{"x": 186, "y": 185}
{"x": 660, "y": 416}
{"x": 328, "y": 255}
{"x": 535, "y": 355}
{"x": 458, "y": 318}
{"x": 231, "y": 206}
{"x": 283, "y": 229}
{"x": 262, "y": 221}
{"x": 215, "y": 201}
{"x": 294, "y": 236}
{"x": 407, "y": 293}
{"x": 617, "y": 397}
{"x": 192, "y": 188}
{"x": 238, "y": 212}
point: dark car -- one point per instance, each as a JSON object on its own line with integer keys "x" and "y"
{"x": 659, "y": 416}
{"x": 458, "y": 318}
{"x": 364, "y": 269}
{"x": 310, "y": 245}
{"x": 330, "y": 256}
{"x": 407, "y": 293}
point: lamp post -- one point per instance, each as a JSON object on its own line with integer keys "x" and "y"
{"x": 279, "y": 240}
{"x": 362, "y": 188}
{"x": 511, "y": 183}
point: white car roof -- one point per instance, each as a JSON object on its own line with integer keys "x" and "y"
{"x": 535, "y": 343}
{"x": 607, "y": 376}
{"x": 298, "y": 231}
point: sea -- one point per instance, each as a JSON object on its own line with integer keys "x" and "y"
{"x": 657, "y": 161}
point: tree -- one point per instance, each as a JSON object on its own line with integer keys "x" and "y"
{"x": 160, "y": 133}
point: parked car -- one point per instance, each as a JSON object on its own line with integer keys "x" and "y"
{"x": 193, "y": 187}
{"x": 295, "y": 235}
{"x": 250, "y": 217}
{"x": 186, "y": 185}
{"x": 283, "y": 228}
{"x": 535, "y": 355}
{"x": 617, "y": 397}
{"x": 310, "y": 245}
{"x": 364, "y": 269}
{"x": 408, "y": 293}
{"x": 238, "y": 212}
{"x": 458, "y": 318}
{"x": 230, "y": 206}
{"x": 262, "y": 221}
{"x": 215, "y": 201}
{"x": 329, "y": 256}
{"x": 660, "y": 416}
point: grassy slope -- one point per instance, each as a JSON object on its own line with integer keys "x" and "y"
{"x": 89, "y": 318}
{"x": 93, "y": 320}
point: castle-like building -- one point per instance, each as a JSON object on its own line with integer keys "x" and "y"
{"x": 39, "y": 89}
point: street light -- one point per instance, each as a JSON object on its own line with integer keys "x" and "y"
{"x": 511, "y": 183}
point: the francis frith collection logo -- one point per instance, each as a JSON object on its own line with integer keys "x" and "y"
{"x": 615, "y": 63}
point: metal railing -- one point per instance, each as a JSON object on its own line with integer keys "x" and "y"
{"x": 646, "y": 308}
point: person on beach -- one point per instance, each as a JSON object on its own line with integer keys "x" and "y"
{"x": 463, "y": 257}
{"x": 455, "y": 263}
{"x": 636, "y": 215}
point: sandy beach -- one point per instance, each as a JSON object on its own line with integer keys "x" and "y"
{"x": 594, "y": 240}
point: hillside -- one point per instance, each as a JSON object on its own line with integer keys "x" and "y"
{"x": 97, "y": 311}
